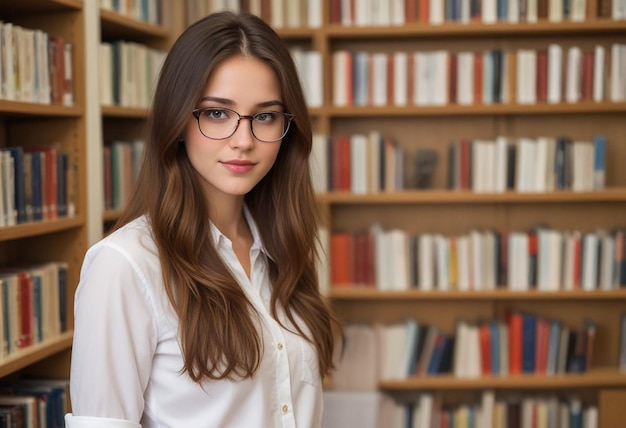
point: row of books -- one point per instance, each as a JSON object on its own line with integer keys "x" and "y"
{"x": 32, "y": 305}
{"x": 142, "y": 10}
{"x": 278, "y": 13}
{"x": 129, "y": 73}
{"x": 122, "y": 160}
{"x": 544, "y": 259}
{"x": 542, "y": 164}
{"x": 35, "y": 66}
{"x": 370, "y": 162}
{"x": 520, "y": 411}
{"x": 358, "y": 163}
{"x": 435, "y": 12}
{"x": 519, "y": 343}
{"x": 34, "y": 403}
{"x": 36, "y": 183}
{"x": 552, "y": 74}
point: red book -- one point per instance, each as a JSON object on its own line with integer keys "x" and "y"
{"x": 424, "y": 11}
{"x": 49, "y": 191}
{"x": 577, "y": 254}
{"x": 410, "y": 8}
{"x": 478, "y": 78}
{"x": 515, "y": 343}
{"x": 452, "y": 77}
{"x": 266, "y": 11}
{"x": 56, "y": 58}
{"x": 542, "y": 76}
{"x": 341, "y": 259}
{"x": 484, "y": 337}
{"x": 587, "y": 78}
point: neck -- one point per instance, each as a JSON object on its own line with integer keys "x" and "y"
{"x": 227, "y": 216}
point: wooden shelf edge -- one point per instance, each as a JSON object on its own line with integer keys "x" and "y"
{"x": 34, "y": 109}
{"x": 593, "y": 379}
{"x": 130, "y": 24}
{"x": 40, "y": 227}
{"x": 111, "y": 215}
{"x": 364, "y": 293}
{"x": 32, "y": 354}
{"x": 456, "y": 29}
{"x": 125, "y": 112}
{"x": 617, "y": 194}
{"x": 72, "y": 4}
{"x": 585, "y": 107}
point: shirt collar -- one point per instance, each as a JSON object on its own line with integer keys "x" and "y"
{"x": 257, "y": 243}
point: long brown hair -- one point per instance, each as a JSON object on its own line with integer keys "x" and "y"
{"x": 219, "y": 337}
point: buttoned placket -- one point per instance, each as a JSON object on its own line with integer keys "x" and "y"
{"x": 259, "y": 296}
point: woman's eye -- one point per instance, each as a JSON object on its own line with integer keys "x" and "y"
{"x": 266, "y": 116}
{"x": 216, "y": 114}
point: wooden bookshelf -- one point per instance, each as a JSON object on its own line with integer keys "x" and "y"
{"x": 30, "y": 124}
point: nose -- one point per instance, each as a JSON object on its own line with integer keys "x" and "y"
{"x": 243, "y": 138}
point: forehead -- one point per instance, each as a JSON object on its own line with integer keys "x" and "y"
{"x": 244, "y": 80}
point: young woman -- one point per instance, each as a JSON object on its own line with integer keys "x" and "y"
{"x": 202, "y": 309}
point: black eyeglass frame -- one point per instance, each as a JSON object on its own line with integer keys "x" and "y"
{"x": 290, "y": 118}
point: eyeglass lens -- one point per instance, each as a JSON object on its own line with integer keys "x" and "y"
{"x": 221, "y": 123}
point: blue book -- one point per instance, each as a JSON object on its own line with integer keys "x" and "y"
{"x": 437, "y": 355}
{"x": 576, "y": 414}
{"x": 553, "y": 347}
{"x": 37, "y": 309}
{"x": 599, "y": 161}
{"x": 63, "y": 295}
{"x": 37, "y": 190}
{"x": 17, "y": 153}
{"x": 494, "y": 332}
{"x": 62, "y": 165}
{"x": 529, "y": 337}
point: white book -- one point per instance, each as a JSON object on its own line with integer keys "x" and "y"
{"x": 278, "y": 13}
{"x": 381, "y": 13}
{"x": 607, "y": 260}
{"x": 541, "y": 165}
{"x": 513, "y": 11}
{"x": 442, "y": 245}
{"x": 465, "y": 79}
{"x": 379, "y": 79}
{"x": 531, "y": 11}
{"x": 487, "y": 77}
{"x": 346, "y": 13}
{"x": 489, "y": 260}
{"x": 618, "y": 70}
{"x": 358, "y": 163}
{"x": 362, "y": 13}
{"x": 400, "y": 252}
{"x": 426, "y": 264}
{"x": 477, "y": 256}
{"x": 293, "y": 14}
{"x": 342, "y": 69}
{"x": 589, "y": 269}
{"x": 518, "y": 261}
{"x": 255, "y": 7}
{"x": 440, "y": 60}
{"x": 400, "y": 78}
{"x": 489, "y": 11}
{"x": 618, "y": 10}
{"x": 525, "y": 165}
{"x": 314, "y": 78}
{"x": 578, "y": 11}
{"x": 590, "y": 417}
{"x": 423, "y": 81}
{"x": 463, "y": 262}
{"x": 8, "y": 183}
{"x": 555, "y": 10}
{"x": 398, "y": 12}
{"x": 9, "y": 64}
{"x": 574, "y": 75}
{"x": 555, "y": 73}
{"x": 465, "y": 12}
{"x": 318, "y": 163}
{"x": 43, "y": 70}
{"x": 374, "y": 179}
{"x": 599, "y": 61}
{"x": 436, "y": 12}
{"x": 314, "y": 13}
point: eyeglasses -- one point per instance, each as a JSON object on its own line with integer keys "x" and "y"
{"x": 218, "y": 123}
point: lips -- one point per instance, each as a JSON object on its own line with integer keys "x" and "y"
{"x": 238, "y": 166}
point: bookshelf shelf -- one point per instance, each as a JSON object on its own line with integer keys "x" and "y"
{"x": 37, "y": 6}
{"x": 111, "y": 215}
{"x": 459, "y": 197}
{"x": 477, "y": 110}
{"x": 33, "y": 354}
{"x": 357, "y": 294}
{"x": 117, "y": 25}
{"x": 30, "y": 109}
{"x": 124, "y": 112}
{"x": 477, "y": 30}
{"x": 297, "y": 34}
{"x": 594, "y": 379}
{"x": 26, "y": 230}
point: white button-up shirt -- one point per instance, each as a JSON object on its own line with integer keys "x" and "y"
{"x": 126, "y": 361}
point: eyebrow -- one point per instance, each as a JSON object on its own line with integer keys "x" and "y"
{"x": 228, "y": 102}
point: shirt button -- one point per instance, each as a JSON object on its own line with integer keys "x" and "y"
{"x": 285, "y": 408}
{"x": 280, "y": 346}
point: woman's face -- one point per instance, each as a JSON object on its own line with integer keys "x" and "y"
{"x": 233, "y": 166}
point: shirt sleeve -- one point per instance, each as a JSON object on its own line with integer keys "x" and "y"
{"x": 72, "y": 421}
{"x": 115, "y": 338}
